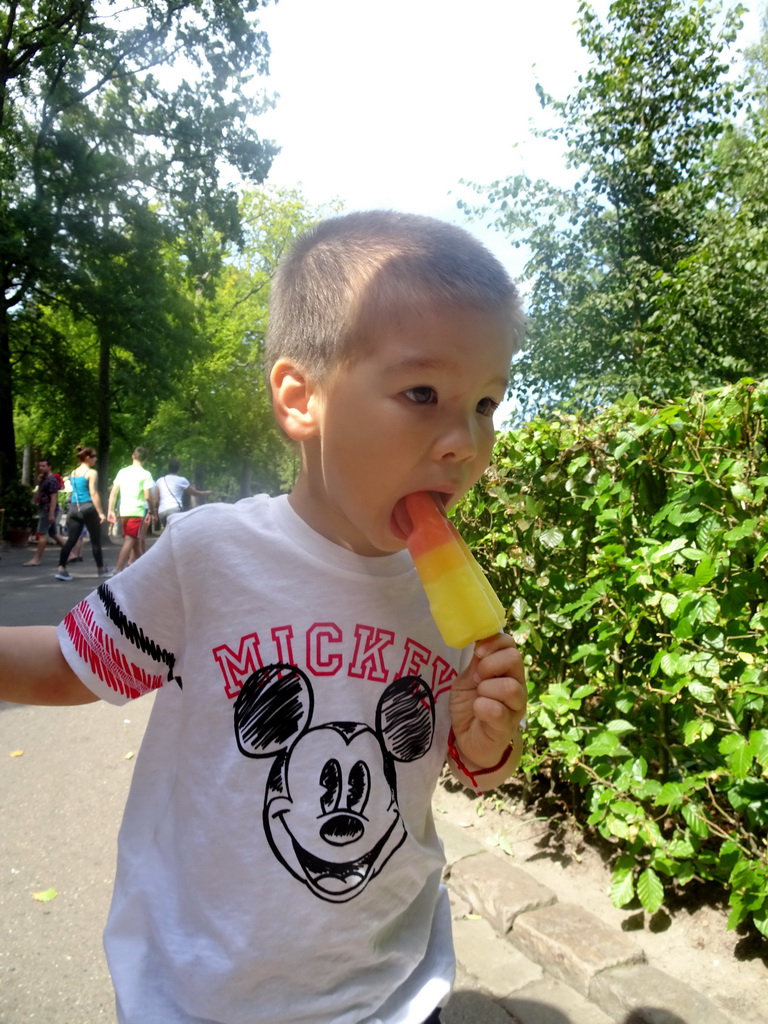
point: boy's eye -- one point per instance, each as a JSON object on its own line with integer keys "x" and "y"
{"x": 422, "y": 395}
{"x": 487, "y": 406}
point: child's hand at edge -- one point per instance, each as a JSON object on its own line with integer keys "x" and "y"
{"x": 487, "y": 703}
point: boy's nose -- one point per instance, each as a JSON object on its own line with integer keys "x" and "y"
{"x": 457, "y": 440}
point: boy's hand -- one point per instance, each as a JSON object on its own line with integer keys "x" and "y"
{"x": 487, "y": 702}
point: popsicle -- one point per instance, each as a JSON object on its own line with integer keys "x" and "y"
{"x": 461, "y": 599}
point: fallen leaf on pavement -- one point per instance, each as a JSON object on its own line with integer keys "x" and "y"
{"x": 17, "y": 753}
{"x": 46, "y": 895}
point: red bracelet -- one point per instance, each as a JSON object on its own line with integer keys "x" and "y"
{"x": 453, "y": 751}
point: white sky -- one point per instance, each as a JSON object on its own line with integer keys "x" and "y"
{"x": 390, "y": 104}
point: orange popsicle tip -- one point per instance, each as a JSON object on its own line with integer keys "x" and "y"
{"x": 429, "y": 527}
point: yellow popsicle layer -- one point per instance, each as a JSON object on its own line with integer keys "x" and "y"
{"x": 461, "y": 599}
{"x": 461, "y": 609}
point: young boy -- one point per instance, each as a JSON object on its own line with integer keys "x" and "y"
{"x": 278, "y": 861}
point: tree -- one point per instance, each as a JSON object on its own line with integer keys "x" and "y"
{"x": 138, "y": 304}
{"x": 118, "y": 124}
{"x": 624, "y": 265}
{"x": 219, "y": 419}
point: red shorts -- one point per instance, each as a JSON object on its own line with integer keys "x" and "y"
{"x": 132, "y": 525}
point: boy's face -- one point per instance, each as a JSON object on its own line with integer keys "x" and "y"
{"x": 414, "y": 412}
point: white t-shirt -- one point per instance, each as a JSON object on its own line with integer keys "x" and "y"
{"x": 278, "y": 861}
{"x": 170, "y": 489}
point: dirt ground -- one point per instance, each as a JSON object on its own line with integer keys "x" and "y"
{"x": 689, "y": 942}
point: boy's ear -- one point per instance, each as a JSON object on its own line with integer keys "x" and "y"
{"x": 292, "y": 394}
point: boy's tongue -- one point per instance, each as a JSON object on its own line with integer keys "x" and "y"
{"x": 401, "y": 520}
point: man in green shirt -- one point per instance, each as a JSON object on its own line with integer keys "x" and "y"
{"x": 134, "y": 485}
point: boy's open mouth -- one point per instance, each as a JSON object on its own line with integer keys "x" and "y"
{"x": 401, "y": 521}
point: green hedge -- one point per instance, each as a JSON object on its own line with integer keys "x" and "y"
{"x": 631, "y": 552}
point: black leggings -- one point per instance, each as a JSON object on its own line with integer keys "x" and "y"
{"x": 434, "y": 1018}
{"x": 80, "y": 516}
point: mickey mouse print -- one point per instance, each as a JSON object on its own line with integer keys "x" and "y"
{"x": 331, "y": 812}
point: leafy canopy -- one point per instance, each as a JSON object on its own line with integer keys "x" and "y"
{"x": 219, "y": 418}
{"x": 640, "y": 274}
{"x": 120, "y": 128}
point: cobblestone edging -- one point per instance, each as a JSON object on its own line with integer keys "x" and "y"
{"x": 547, "y": 962}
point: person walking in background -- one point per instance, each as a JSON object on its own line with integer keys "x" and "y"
{"x": 85, "y": 512}
{"x": 169, "y": 490}
{"x": 46, "y": 499}
{"x": 65, "y": 500}
{"x": 134, "y": 485}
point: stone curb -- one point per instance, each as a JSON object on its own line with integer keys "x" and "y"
{"x": 557, "y": 963}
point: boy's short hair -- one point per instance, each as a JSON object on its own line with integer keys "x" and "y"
{"x": 140, "y": 454}
{"x": 173, "y": 464}
{"x": 350, "y": 276}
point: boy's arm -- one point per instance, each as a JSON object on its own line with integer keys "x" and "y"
{"x": 488, "y": 702}
{"x": 34, "y": 671}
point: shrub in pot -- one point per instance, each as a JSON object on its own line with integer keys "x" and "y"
{"x": 19, "y": 513}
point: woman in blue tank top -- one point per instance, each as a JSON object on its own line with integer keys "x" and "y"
{"x": 85, "y": 510}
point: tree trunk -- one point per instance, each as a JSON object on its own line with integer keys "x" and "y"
{"x": 8, "y": 465}
{"x": 26, "y": 465}
{"x": 246, "y": 476}
{"x": 104, "y": 415}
